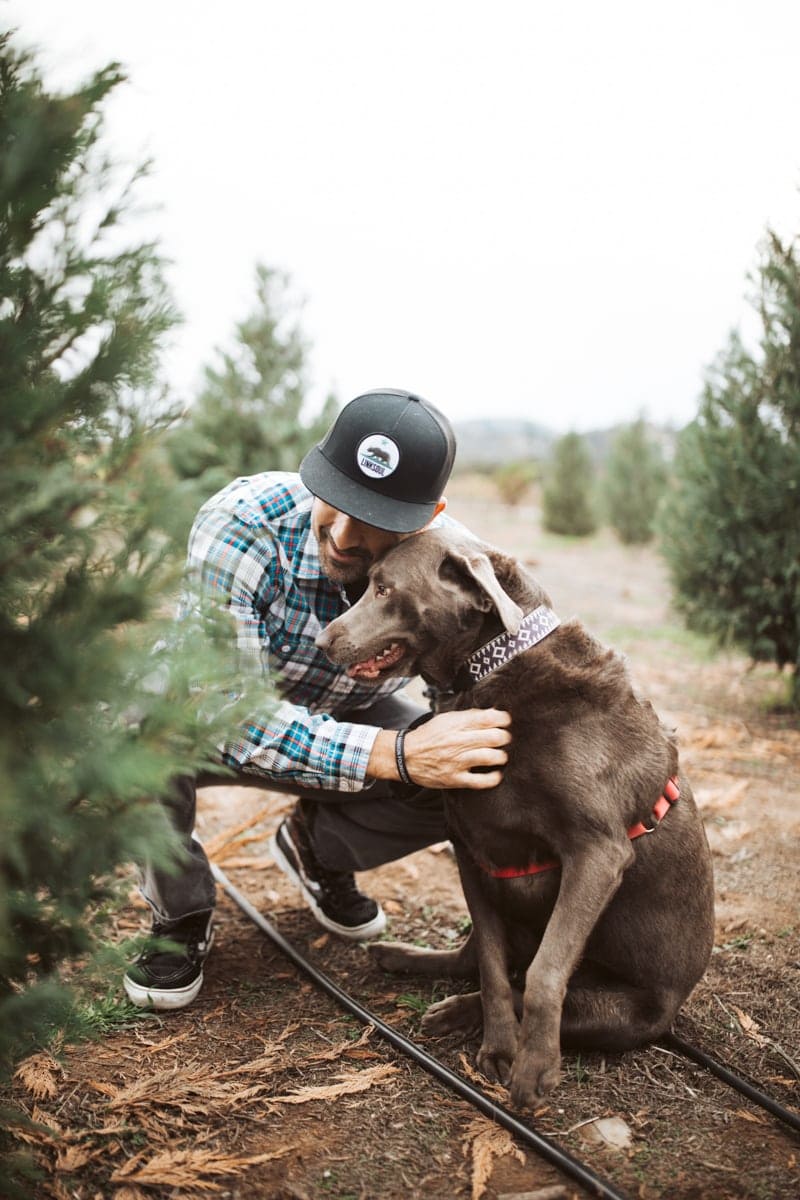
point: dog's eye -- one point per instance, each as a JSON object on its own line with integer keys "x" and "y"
{"x": 381, "y": 589}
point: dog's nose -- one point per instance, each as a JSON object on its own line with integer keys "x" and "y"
{"x": 323, "y": 639}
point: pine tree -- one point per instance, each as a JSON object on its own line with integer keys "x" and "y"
{"x": 514, "y": 479}
{"x": 634, "y": 483}
{"x": 86, "y": 739}
{"x": 731, "y": 524}
{"x": 248, "y": 416}
{"x": 567, "y": 497}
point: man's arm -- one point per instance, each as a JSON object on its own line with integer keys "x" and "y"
{"x": 234, "y": 563}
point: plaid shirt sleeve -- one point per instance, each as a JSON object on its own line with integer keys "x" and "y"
{"x": 236, "y": 564}
{"x": 316, "y": 751}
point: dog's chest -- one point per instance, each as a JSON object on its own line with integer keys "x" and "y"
{"x": 499, "y": 828}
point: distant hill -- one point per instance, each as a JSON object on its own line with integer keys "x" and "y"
{"x": 485, "y": 444}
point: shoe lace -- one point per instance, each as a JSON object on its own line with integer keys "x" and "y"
{"x": 340, "y": 885}
{"x": 190, "y": 943}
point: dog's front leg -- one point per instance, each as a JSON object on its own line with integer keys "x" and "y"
{"x": 589, "y": 878}
{"x": 500, "y": 1025}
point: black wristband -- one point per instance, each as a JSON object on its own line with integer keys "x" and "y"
{"x": 400, "y": 757}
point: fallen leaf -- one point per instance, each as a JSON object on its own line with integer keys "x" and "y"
{"x": 56, "y": 1189}
{"x": 750, "y": 1028}
{"x": 38, "y": 1074}
{"x": 485, "y": 1142}
{"x": 105, "y": 1089}
{"x": 229, "y": 840}
{"x": 215, "y": 1012}
{"x": 33, "y": 1136}
{"x": 193, "y": 1090}
{"x": 189, "y": 1168}
{"x": 349, "y": 1084}
{"x": 245, "y": 863}
{"x": 165, "y": 1043}
{"x": 555, "y": 1191}
{"x": 715, "y": 737}
{"x": 72, "y": 1158}
{"x": 129, "y": 1193}
{"x": 341, "y": 1048}
{"x": 44, "y": 1118}
{"x": 734, "y": 830}
{"x": 754, "y": 1118}
{"x": 495, "y": 1091}
{"x": 273, "y": 1053}
{"x": 715, "y": 799}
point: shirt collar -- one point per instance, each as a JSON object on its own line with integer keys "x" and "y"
{"x": 307, "y": 568}
{"x": 307, "y": 564}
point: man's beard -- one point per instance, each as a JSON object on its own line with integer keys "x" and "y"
{"x": 355, "y": 567}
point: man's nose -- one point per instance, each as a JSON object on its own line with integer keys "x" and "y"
{"x": 346, "y": 532}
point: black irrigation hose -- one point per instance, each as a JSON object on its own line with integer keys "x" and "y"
{"x": 672, "y": 1042}
{"x": 538, "y": 1142}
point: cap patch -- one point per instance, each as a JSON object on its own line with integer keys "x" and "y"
{"x": 377, "y": 456}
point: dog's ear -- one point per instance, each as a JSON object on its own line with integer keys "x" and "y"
{"x": 478, "y": 569}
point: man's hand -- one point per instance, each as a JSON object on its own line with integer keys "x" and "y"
{"x": 444, "y": 751}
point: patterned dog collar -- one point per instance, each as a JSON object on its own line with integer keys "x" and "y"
{"x": 534, "y": 627}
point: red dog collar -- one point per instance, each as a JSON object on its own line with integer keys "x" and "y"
{"x": 661, "y": 807}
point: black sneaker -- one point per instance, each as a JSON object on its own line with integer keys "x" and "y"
{"x": 171, "y": 978}
{"x": 332, "y": 896}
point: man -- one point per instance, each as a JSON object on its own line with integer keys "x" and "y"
{"x": 286, "y": 554}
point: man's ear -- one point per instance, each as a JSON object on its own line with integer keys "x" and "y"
{"x": 441, "y": 505}
{"x": 477, "y": 570}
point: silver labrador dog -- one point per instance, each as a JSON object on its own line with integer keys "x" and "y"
{"x": 609, "y": 930}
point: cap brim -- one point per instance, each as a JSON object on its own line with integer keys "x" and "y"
{"x": 351, "y": 497}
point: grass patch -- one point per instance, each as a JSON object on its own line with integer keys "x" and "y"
{"x": 99, "y": 1016}
{"x": 417, "y": 1004}
{"x": 697, "y": 646}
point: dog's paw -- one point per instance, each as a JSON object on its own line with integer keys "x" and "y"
{"x": 532, "y": 1077}
{"x": 456, "y": 1014}
{"x": 495, "y": 1060}
{"x": 393, "y": 956}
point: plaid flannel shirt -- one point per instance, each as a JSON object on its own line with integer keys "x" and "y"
{"x": 252, "y": 550}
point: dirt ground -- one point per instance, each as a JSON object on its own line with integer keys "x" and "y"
{"x": 265, "y": 1088}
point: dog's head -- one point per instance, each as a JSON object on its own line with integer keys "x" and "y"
{"x": 423, "y": 610}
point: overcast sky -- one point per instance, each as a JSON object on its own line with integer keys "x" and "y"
{"x": 517, "y": 209}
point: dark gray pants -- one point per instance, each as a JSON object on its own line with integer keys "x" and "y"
{"x": 350, "y": 831}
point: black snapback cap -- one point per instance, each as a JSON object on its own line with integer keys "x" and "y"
{"x": 385, "y": 460}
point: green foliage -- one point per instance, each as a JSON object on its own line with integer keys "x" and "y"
{"x": 248, "y": 416}
{"x": 634, "y": 483}
{"x": 89, "y": 731}
{"x": 731, "y": 523}
{"x": 567, "y": 498}
{"x": 514, "y": 479}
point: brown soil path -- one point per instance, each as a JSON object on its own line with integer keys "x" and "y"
{"x": 264, "y": 1089}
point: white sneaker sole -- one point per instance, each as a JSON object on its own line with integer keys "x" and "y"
{"x": 355, "y": 933}
{"x": 144, "y": 997}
